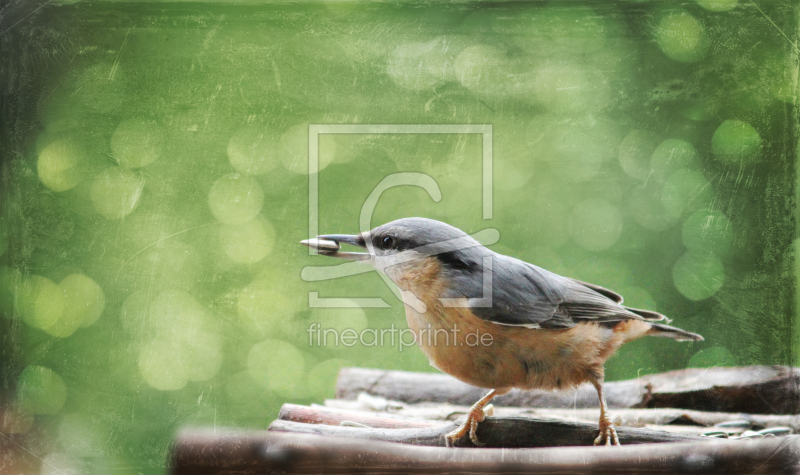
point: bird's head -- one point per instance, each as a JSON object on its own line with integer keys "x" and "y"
{"x": 404, "y": 245}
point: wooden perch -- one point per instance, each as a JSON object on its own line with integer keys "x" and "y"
{"x": 627, "y": 417}
{"x": 206, "y": 452}
{"x": 751, "y": 389}
{"x": 330, "y": 416}
{"x": 508, "y": 432}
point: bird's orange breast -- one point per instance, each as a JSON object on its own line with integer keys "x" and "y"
{"x": 491, "y": 355}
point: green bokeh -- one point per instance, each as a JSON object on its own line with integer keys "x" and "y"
{"x": 155, "y": 178}
{"x": 736, "y": 141}
{"x": 41, "y": 390}
{"x": 682, "y": 37}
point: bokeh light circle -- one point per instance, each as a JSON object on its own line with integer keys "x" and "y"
{"x": 262, "y": 307}
{"x": 137, "y": 142}
{"x": 249, "y": 242}
{"x": 40, "y": 302}
{"x": 595, "y": 224}
{"x": 672, "y": 155}
{"x": 253, "y": 150}
{"x": 682, "y": 37}
{"x": 321, "y": 379}
{"x": 235, "y": 198}
{"x": 40, "y": 390}
{"x": 708, "y": 230}
{"x": 686, "y": 190}
{"x": 116, "y": 192}
{"x": 735, "y": 141}
{"x": 276, "y": 365}
{"x": 59, "y": 165}
{"x": 85, "y": 299}
{"x": 698, "y": 275}
{"x": 294, "y": 153}
{"x": 635, "y": 152}
{"x": 417, "y": 65}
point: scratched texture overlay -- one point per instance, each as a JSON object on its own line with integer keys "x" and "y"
{"x": 155, "y": 187}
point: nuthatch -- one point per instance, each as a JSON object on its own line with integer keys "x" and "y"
{"x": 547, "y": 331}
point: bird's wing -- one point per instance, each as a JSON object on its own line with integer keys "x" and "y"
{"x": 601, "y": 290}
{"x": 527, "y": 295}
{"x": 581, "y": 309}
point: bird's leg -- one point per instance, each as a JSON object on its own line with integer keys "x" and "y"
{"x": 476, "y": 414}
{"x": 608, "y": 434}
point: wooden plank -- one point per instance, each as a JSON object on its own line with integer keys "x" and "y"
{"x": 206, "y": 452}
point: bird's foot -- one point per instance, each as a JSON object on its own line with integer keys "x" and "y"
{"x": 608, "y": 434}
{"x": 470, "y": 426}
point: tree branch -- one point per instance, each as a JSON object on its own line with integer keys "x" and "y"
{"x": 752, "y": 389}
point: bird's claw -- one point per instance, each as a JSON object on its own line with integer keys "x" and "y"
{"x": 608, "y": 434}
{"x": 470, "y": 426}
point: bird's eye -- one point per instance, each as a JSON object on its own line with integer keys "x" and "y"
{"x": 387, "y": 242}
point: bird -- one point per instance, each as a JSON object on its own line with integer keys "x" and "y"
{"x": 546, "y": 331}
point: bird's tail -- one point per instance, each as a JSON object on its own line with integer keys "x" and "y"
{"x": 667, "y": 331}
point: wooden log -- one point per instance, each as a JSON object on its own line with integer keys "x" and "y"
{"x": 207, "y": 452}
{"x": 336, "y": 417}
{"x": 626, "y": 417}
{"x": 497, "y": 432}
{"x": 668, "y": 416}
{"x": 676, "y": 422}
{"x": 751, "y": 389}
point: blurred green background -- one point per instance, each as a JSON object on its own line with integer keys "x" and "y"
{"x": 155, "y": 189}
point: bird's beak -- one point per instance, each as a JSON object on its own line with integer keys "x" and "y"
{"x": 328, "y": 245}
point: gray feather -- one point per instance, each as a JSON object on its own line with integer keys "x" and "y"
{"x": 674, "y": 333}
{"x": 526, "y": 295}
{"x": 602, "y": 291}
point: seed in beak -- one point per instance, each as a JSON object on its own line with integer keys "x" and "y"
{"x": 323, "y": 246}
